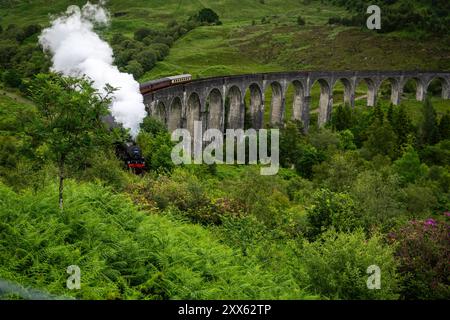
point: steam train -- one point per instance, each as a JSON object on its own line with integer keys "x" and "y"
{"x": 150, "y": 86}
{"x": 131, "y": 154}
{"x": 127, "y": 151}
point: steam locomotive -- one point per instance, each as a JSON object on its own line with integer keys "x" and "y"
{"x": 150, "y": 86}
{"x": 131, "y": 154}
{"x": 128, "y": 151}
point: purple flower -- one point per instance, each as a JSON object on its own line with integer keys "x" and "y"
{"x": 447, "y": 214}
{"x": 430, "y": 222}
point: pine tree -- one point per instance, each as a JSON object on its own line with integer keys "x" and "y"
{"x": 342, "y": 118}
{"x": 429, "y": 128}
{"x": 402, "y": 126}
{"x": 378, "y": 114}
{"x": 444, "y": 127}
{"x": 390, "y": 114}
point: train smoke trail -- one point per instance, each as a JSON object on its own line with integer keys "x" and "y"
{"x": 77, "y": 50}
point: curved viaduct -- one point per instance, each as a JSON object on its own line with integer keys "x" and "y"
{"x": 219, "y": 102}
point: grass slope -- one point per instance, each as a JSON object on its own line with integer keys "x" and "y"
{"x": 244, "y": 45}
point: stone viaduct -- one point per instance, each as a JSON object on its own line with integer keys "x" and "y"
{"x": 219, "y": 102}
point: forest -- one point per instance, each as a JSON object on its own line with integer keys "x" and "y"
{"x": 370, "y": 188}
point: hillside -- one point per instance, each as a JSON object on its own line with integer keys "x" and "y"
{"x": 256, "y": 36}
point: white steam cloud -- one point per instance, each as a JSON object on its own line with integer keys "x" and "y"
{"x": 77, "y": 50}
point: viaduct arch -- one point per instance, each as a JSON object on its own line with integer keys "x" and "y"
{"x": 219, "y": 102}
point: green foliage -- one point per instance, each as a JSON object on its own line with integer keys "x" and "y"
{"x": 208, "y": 16}
{"x": 68, "y": 123}
{"x": 430, "y": 16}
{"x": 438, "y": 154}
{"x": 429, "y": 130}
{"x": 423, "y": 254}
{"x": 378, "y": 198}
{"x": 135, "y": 68}
{"x": 335, "y": 266}
{"x": 347, "y": 140}
{"x": 339, "y": 171}
{"x": 381, "y": 139}
{"x": 11, "y": 78}
{"x": 342, "y": 119}
{"x": 331, "y": 209}
{"x": 142, "y": 33}
{"x": 402, "y": 126}
{"x": 122, "y": 253}
{"x": 409, "y": 168}
{"x": 153, "y": 126}
{"x": 156, "y": 150}
{"x": 146, "y": 58}
{"x": 444, "y": 127}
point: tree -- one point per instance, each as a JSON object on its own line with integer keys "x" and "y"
{"x": 291, "y": 141}
{"x": 331, "y": 209}
{"x": 409, "y": 167}
{"x": 135, "y": 68}
{"x": 69, "y": 123}
{"x": 390, "y": 114}
{"x": 429, "y": 128}
{"x": 343, "y": 118}
{"x": 381, "y": 140}
{"x": 141, "y": 33}
{"x": 207, "y": 15}
{"x": 402, "y": 126}
{"x": 378, "y": 114}
{"x": 146, "y": 58}
{"x": 444, "y": 127}
{"x": 11, "y": 78}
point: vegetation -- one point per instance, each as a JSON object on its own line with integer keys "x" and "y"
{"x": 372, "y": 187}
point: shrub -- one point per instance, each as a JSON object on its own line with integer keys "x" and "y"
{"x": 423, "y": 253}
{"x": 156, "y": 150}
{"x": 335, "y": 266}
{"x": 12, "y": 78}
{"x": 331, "y": 209}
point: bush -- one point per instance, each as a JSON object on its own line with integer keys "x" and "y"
{"x": 335, "y": 266}
{"x": 423, "y": 253}
{"x": 12, "y": 79}
{"x": 156, "y": 150}
{"x": 331, "y": 209}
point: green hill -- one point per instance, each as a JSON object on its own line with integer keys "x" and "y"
{"x": 256, "y": 36}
